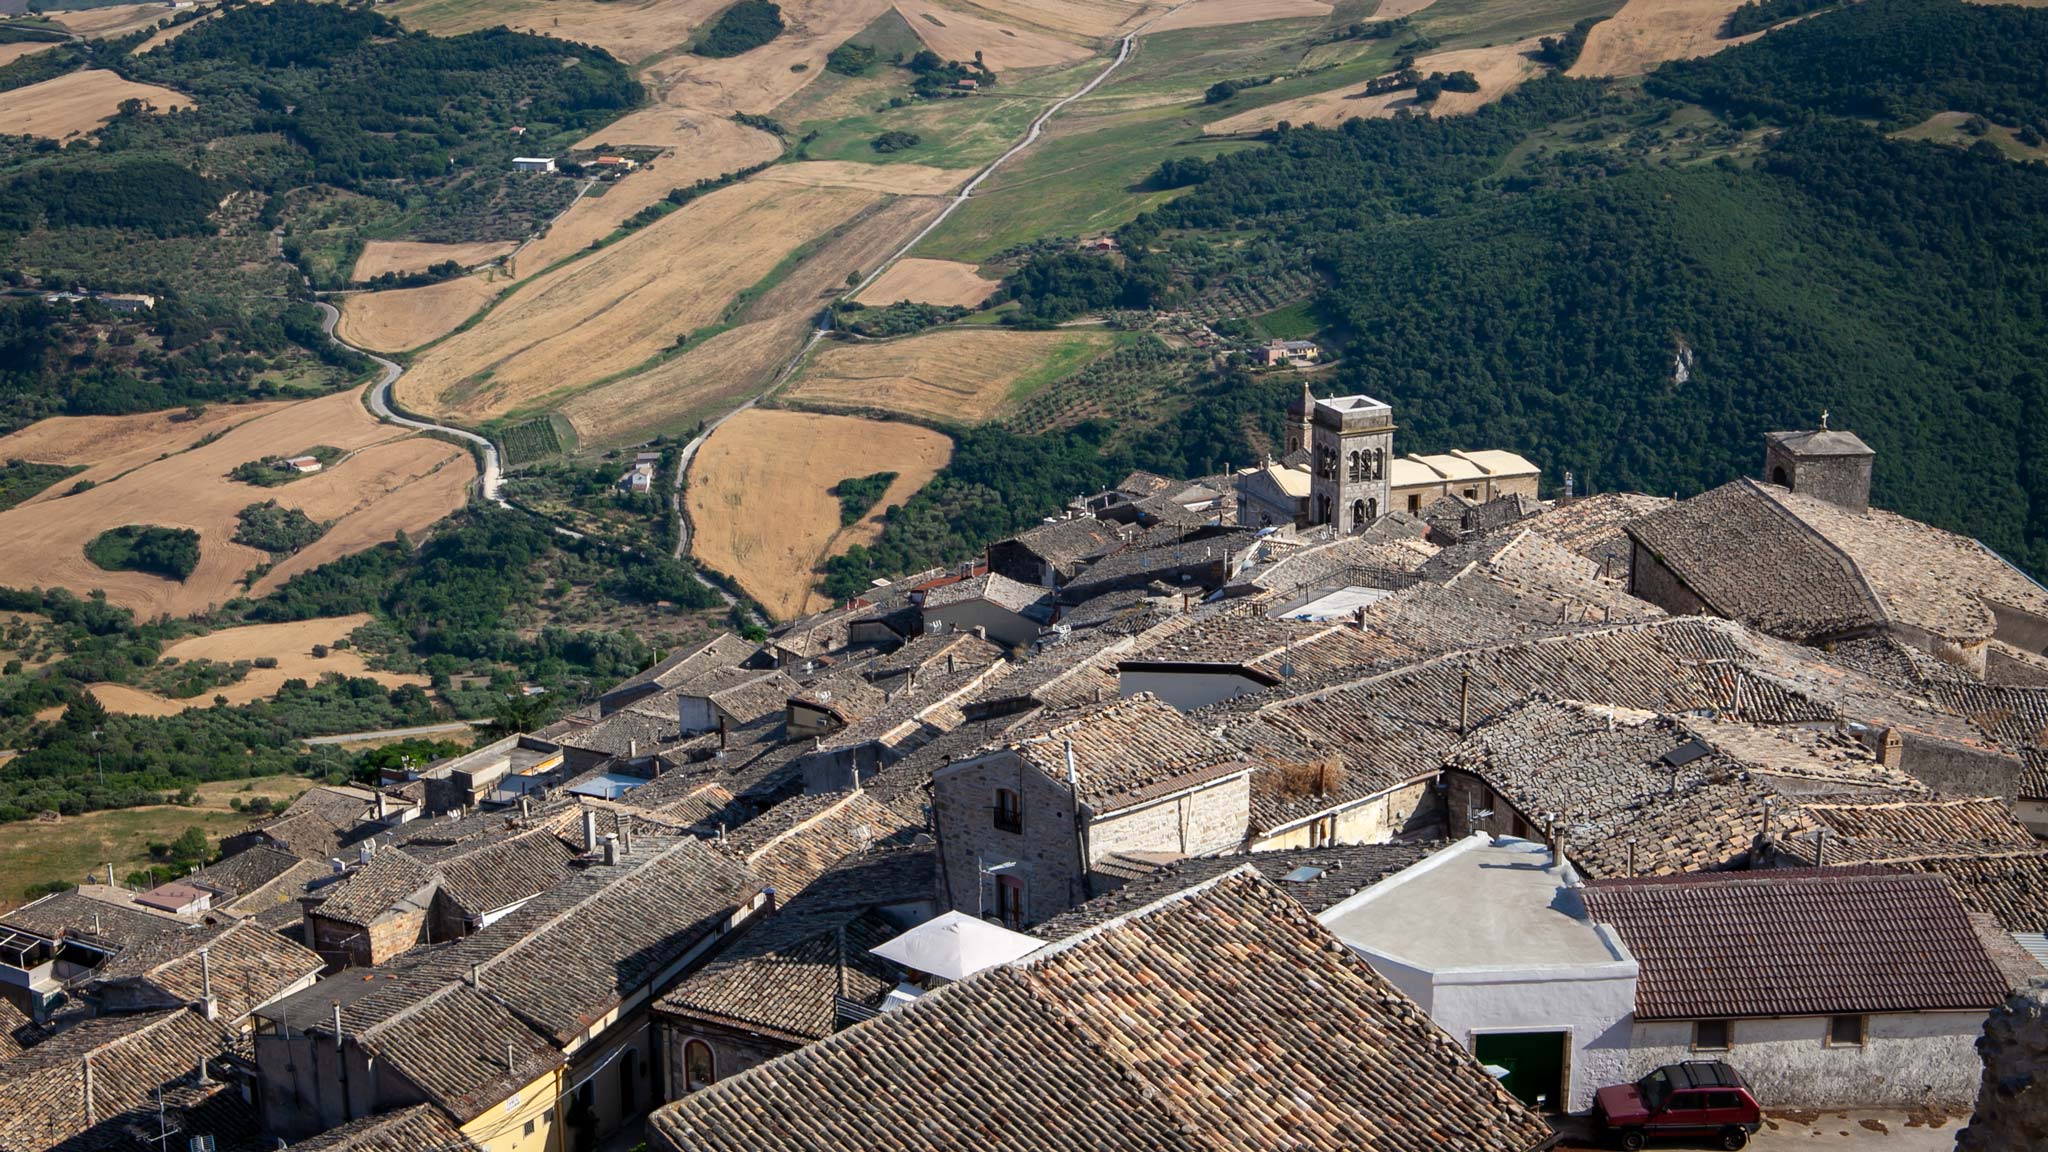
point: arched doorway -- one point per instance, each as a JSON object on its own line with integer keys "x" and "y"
{"x": 629, "y": 1072}
{"x": 1779, "y": 478}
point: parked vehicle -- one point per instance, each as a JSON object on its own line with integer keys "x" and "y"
{"x": 1699, "y": 1100}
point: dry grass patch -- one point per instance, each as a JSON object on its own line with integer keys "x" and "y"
{"x": 1210, "y": 13}
{"x": 956, "y": 35}
{"x": 109, "y": 22}
{"x": 632, "y": 30}
{"x": 714, "y": 376}
{"x": 404, "y": 318}
{"x": 172, "y": 33}
{"x": 1082, "y": 19}
{"x": 393, "y": 480}
{"x": 402, "y": 256}
{"x": 617, "y": 309}
{"x": 924, "y": 281}
{"x": 903, "y": 179}
{"x": 107, "y": 446}
{"x": 9, "y": 53}
{"x": 967, "y": 375}
{"x": 1395, "y": 9}
{"x": 759, "y": 80}
{"x": 1646, "y": 33}
{"x": 1499, "y": 69}
{"x": 291, "y": 645}
{"x": 759, "y": 502}
{"x": 78, "y": 102}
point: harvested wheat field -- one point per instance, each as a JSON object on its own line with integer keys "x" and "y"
{"x": 759, "y": 504}
{"x": 924, "y": 281}
{"x": 618, "y": 308}
{"x": 9, "y": 53}
{"x": 958, "y": 36}
{"x": 961, "y": 374}
{"x": 172, "y": 33}
{"x": 720, "y": 146}
{"x": 107, "y": 446}
{"x": 1076, "y": 19}
{"x": 631, "y": 30}
{"x": 903, "y": 179}
{"x": 1211, "y": 13}
{"x": 1500, "y": 70}
{"x": 78, "y": 102}
{"x": 393, "y": 485}
{"x": 873, "y": 236}
{"x": 291, "y": 645}
{"x": 402, "y": 256}
{"x": 712, "y": 378}
{"x": 1395, "y": 9}
{"x": 404, "y": 318}
{"x": 759, "y": 80}
{"x": 114, "y": 20}
{"x": 1646, "y": 33}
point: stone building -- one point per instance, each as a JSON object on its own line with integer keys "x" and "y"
{"x": 1825, "y": 464}
{"x": 1350, "y": 441}
{"x": 1025, "y": 828}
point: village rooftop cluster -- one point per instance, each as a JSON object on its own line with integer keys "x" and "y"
{"x": 1349, "y": 800}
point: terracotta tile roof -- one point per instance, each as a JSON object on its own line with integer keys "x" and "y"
{"x": 504, "y": 872}
{"x": 2015, "y": 717}
{"x": 245, "y": 871}
{"x": 452, "y": 1045}
{"x": 76, "y": 1088}
{"x": 796, "y": 841}
{"x": 1591, "y": 526}
{"x": 2012, "y": 886}
{"x": 1346, "y": 560}
{"x": 111, "y": 924}
{"x": 1752, "y": 560}
{"x": 993, "y": 587}
{"x": 390, "y": 878}
{"x": 249, "y": 963}
{"x": 756, "y": 698}
{"x": 343, "y": 807}
{"x": 1179, "y": 1027}
{"x": 724, "y": 650}
{"x": 1919, "y": 827}
{"x": 1124, "y": 753}
{"x": 309, "y": 835}
{"x": 785, "y": 977}
{"x": 877, "y": 878}
{"x": 1797, "y": 942}
{"x": 420, "y": 1128}
{"x": 1337, "y": 873}
{"x": 1064, "y": 542}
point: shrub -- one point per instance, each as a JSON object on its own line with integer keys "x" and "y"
{"x": 170, "y": 552}
{"x": 741, "y": 28}
{"x": 850, "y": 59}
{"x": 277, "y": 529}
{"x": 895, "y": 141}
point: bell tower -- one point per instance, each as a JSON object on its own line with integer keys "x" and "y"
{"x": 1351, "y": 443}
{"x": 1300, "y": 419}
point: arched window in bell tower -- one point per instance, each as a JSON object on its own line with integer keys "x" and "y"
{"x": 1358, "y": 519}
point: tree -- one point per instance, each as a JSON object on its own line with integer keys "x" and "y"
{"x": 191, "y": 845}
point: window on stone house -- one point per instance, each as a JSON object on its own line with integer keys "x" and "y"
{"x": 1713, "y": 1035}
{"x": 1414, "y": 503}
{"x": 1010, "y": 901}
{"x": 700, "y": 1070}
{"x": 1846, "y": 1031}
{"x": 1472, "y": 494}
{"x": 1009, "y": 811}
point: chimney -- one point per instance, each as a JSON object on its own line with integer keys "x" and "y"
{"x": 590, "y": 830}
{"x": 509, "y": 1065}
{"x": 110, "y": 875}
{"x": 625, "y": 836}
{"x": 1464, "y": 699}
{"x": 1361, "y": 617}
{"x": 1631, "y": 856}
{"x": 721, "y": 731}
{"x": 381, "y": 813}
{"x": 1073, "y": 774}
{"x": 476, "y": 975}
{"x": 204, "y": 1078}
{"x": 633, "y": 749}
{"x": 611, "y": 848}
{"x": 208, "y": 1004}
{"x": 981, "y": 632}
{"x": 951, "y": 664}
{"x": 365, "y": 851}
{"x": 1820, "y": 848}
{"x": 337, "y": 1025}
{"x": 525, "y": 805}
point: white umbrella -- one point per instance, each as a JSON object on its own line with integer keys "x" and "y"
{"x": 955, "y": 946}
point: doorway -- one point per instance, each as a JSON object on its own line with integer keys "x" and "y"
{"x": 1535, "y": 1063}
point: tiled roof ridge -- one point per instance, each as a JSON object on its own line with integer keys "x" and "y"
{"x": 113, "y": 1041}
{"x": 1928, "y": 802}
{"x": 1963, "y": 852}
{"x": 1058, "y": 946}
{"x": 1848, "y": 562}
{"x": 1855, "y": 873}
{"x": 597, "y": 894}
{"x": 807, "y": 822}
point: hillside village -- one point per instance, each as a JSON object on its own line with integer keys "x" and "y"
{"x": 1456, "y": 804}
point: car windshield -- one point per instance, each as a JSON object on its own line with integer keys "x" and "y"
{"x": 1653, "y": 1089}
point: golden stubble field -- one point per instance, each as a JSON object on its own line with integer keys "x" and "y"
{"x": 610, "y": 313}
{"x": 405, "y": 318}
{"x": 392, "y": 480}
{"x": 290, "y": 644}
{"x": 77, "y": 103}
{"x": 923, "y": 281}
{"x": 381, "y": 256}
{"x": 760, "y": 504}
{"x": 1211, "y": 13}
{"x": 1646, "y": 33}
{"x": 956, "y": 35}
{"x": 968, "y": 375}
{"x": 1500, "y": 70}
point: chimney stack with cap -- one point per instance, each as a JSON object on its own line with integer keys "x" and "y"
{"x": 590, "y": 829}
{"x": 611, "y": 848}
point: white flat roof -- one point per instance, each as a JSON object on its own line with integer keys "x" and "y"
{"x": 1342, "y": 602}
{"x": 1485, "y": 903}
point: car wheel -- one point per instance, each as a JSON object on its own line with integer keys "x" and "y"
{"x": 1631, "y": 1140}
{"x": 1734, "y": 1139}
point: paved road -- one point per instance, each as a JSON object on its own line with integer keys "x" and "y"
{"x": 380, "y": 405}
{"x": 393, "y": 733}
{"x": 689, "y": 453}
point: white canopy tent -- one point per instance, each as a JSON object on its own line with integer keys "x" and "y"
{"x": 955, "y": 946}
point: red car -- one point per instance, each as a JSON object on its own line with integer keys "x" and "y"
{"x": 1697, "y": 1100}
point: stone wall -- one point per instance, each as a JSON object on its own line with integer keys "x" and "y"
{"x": 1046, "y": 852}
{"x": 1211, "y": 819}
{"x": 2012, "y": 1097}
{"x": 1959, "y": 769}
{"x": 733, "y": 1050}
{"x": 1843, "y": 480}
{"x": 1650, "y": 580}
{"x": 346, "y": 945}
{"x": 1908, "y": 1059}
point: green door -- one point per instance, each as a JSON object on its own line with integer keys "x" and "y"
{"x": 1535, "y": 1064}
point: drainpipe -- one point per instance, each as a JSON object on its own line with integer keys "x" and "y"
{"x": 1080, "y": 822}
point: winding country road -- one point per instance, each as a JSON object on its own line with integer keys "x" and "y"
{"x": 380, "y": 406}
{"x": 689, "y": 452}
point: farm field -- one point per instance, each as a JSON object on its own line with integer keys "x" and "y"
{"x": 1646, "y": 33}
{"x": 77, "y": 103}
{"x": 903, "y": 179}
{"x": 1947, "y": 128}
{"x": 610, "y": 313}
{"x": 172, "y": 33}
{"x": 631, "y": 30}
{"x": 924, "y": 281}
{"x": 956, "y": 35}
{"x": 1499, "y": 69}
{"x": 9, "y": 53}
{"x": 1084, "y": 19}
{"x": 289, "y": 644}
{"x": 1211, "y": 13}
{"x": 401, "y": 256}
{"x": 32, "y": 852}
{"x": 391, "y": 480}
{"x": 402, "y": 318}
{"x": 759, "y": 502}
{"x": 107, "y": 446}
{"x": 759, "y": 80}
{"x": 956, "y": 375}
{"x": 111, "y": 21}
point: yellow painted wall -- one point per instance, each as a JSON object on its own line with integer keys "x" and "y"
{"x": 502, "y": 1128}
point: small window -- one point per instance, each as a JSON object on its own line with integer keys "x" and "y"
{"x": 1009, "y": 811}
{"x": 1845, "y": 1031}
{"x": 1712, "y": 1036}
{"x": 699, "y": 1070}
{"x": 1414, "y": 503}
{"x": 1010, "y": 901}
{"x": 529, "y": 1127}
{"x": 1688, "y": 1101}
